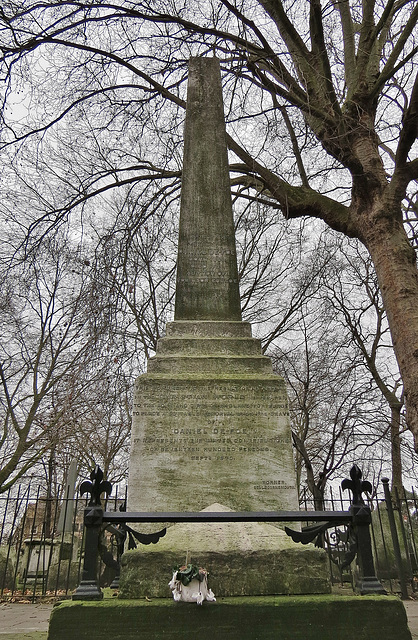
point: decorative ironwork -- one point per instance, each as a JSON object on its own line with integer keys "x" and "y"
{"x": 96, "y": 543}
{"x": 356, "y": 485}
{"x": 310, "y": 533}
{"x": 359, "y": 532}
{"x": 119, "y": 535}
{"x": 316, "y": 533}
{"x": 96, "y": 487}
{"x": 338, "y": 537}
{"x": 357, "y": 518}
{"x": 143, "y": 538}
{"x": 89, "y": 588}
{"x": 342, "y": 547}
{"x": 357, "y": 536}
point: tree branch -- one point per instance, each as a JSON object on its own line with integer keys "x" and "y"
{"x": 343, "y": 7}
{"x": 389, "y": 69}
{"x": 296, "y": 46}
{"x": 301, "y": 201}
{"x": 409, "y": 131}
{"x": 320, "y": 54}
{"x": 74, "y": 104}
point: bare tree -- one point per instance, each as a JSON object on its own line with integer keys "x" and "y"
{"x": 321, "y": 102}
{"x": 336, "y": 417}
{"x": 51, "y": 323}
{"x": 352, "y": 292}
{"x": 135, "y": 269}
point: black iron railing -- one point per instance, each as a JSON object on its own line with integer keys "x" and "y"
{"x": 357, "y": 519}
{"x": 38, "y": 559}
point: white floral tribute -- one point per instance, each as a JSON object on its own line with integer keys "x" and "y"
{"x": 190, "y": 584}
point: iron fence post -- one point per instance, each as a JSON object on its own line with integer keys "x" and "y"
{"x": 89, "y": 588}
{"x": 395, "y": 539}
{"x": 362, "y": 518}
{"x": 367, "y": 583}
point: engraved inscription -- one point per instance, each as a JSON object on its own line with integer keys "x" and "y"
{"x": 272, "y": 485}
{"x": 219, "y": 408}
{"x": 229, "y": 437}
{"x": 209, "y": 442}
{"x": 210, "y": 266}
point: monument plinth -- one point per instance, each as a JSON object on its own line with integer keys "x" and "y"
{"x": 210, "y": 425}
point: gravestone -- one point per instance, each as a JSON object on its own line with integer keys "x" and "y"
{"x": 211, "y": 425}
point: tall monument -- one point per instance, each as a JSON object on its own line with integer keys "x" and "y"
{"x": 210, "y": 418}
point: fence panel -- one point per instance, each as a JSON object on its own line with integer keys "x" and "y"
{"x": 42, "y": 542}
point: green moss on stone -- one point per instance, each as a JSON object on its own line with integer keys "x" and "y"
{"x": 325, "y": 617}
{"x": 231, "y": 573}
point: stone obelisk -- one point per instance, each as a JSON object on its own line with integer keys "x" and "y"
{"x": 207, "y": 273}
{"x": 210, "y": 418}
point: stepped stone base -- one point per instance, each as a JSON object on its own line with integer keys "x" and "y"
{"x": 210, "y": 424}
{"x": 211, "y": 427}
{"x": 266, "y": 618}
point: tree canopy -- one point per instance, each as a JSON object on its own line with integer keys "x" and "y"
{"x": 321, "y": 104}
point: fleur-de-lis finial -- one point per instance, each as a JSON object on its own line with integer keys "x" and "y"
{"x": 356, "y": 485}
{"x": 96, "y": 487}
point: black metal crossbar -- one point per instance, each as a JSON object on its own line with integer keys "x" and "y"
{"x": 357, "y": 519}
{"x": 335, "y": 517}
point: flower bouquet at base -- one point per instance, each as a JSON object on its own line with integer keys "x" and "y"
{"x": 190, "y": 584}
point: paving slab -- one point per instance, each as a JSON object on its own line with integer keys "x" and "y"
{"x": 23, "y": 620}
{"x": 411, "y": 607}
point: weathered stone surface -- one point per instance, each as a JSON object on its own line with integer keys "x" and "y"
{"x": 264, "y": 618}
{"x": 209, "y": 346}
{"x": 207, "y": 274}
{"x": 201, "y": 438}
{"x": 208, "y": 329}
{"x": 220, "y": 363}
{"x": 242, "y": 559}
{"x": 210, "y": 421}
{"x": 234, "y": 572}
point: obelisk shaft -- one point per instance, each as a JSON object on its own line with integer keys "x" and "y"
{"x": 207, "y": 274}
{"x": 210, "y": 420}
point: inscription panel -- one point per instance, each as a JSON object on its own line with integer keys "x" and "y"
{"x": 197, "y": 442}
{"x": 213, "y": 265}
{"x": 207, "y": 279}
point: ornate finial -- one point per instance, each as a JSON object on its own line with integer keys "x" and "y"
{"x": 356, "y": 485}
{"x": 96, "y": 487}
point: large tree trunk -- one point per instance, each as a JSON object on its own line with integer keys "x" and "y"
{"x": 394, "y": 260}
{"x": 395, "y": 440}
